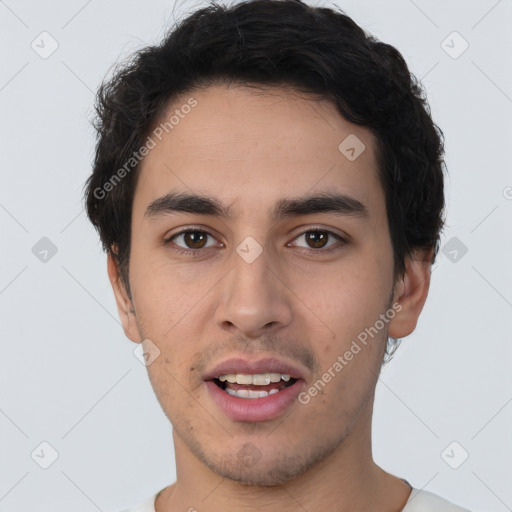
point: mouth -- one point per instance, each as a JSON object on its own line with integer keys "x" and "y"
{"x": 259, "y": 385}
{"x": 254, "y": 391}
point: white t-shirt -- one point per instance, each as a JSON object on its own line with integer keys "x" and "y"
{"x": 419, "y": 501}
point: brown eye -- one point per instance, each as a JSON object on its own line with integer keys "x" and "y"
{"x": 317, "y": 240}
{"x": 195, "y": 239}
{"x": 189, "y": 239}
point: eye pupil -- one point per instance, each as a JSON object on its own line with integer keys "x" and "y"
{"x": 191, "y": 241}
{"x": 313, "y": 237}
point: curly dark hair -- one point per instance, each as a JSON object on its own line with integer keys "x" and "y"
{"x": 285, "y": 43}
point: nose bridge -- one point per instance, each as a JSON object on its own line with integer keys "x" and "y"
{"x": 251, "y": 266}
{"x": 253, "y": 296}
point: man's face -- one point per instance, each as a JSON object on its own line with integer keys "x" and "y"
{"x": 256, "y": 287}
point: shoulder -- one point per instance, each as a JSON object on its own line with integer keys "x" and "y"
{"x": 146, "y": 506}
{"x": 424, "y": 501}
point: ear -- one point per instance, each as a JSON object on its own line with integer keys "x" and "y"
{"x": 410, "y": 293}
{"x": 123, "y": 301}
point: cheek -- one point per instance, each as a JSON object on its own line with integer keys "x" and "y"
{"x": 174, "y": 377}
{"x": 165, "y": 294}
{"x": 166, "y": 301}
{"x": 349, "y": 303}
{"x": 346, "y": 299}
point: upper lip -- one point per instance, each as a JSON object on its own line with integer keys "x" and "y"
{"x": 241, "y": 365}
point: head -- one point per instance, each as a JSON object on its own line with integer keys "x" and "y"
{"x": 254, "y": 139}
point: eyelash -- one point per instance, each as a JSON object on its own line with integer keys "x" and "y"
{"x": 196, "y": 252}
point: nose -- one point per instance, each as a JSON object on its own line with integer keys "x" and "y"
{"x": 254, "y": 297}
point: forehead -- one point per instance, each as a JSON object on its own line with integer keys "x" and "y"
{"x": 247, "y": 146}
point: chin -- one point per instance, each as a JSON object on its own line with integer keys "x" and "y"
{"x": 250, "y": 467}
{"x": 270, "y": 477}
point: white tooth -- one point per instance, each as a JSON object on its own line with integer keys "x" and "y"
{"x": 243, "y": 378}
{"x": 273, "y": 391}
{"x": 261, "y": 379}
{"x": 257, "y": 394}
{"x": 258, "y": 379}
{"x": 247, "y": 393}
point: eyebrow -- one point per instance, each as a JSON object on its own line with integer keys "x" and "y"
{"x": 325, "y": 202}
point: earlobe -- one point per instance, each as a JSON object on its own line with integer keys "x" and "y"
{"x": 123, "y": 301}
{"x": 411, "y": 292}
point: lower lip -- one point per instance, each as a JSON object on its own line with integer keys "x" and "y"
{"x": 254, "y": 409}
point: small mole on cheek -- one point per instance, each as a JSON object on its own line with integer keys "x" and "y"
{"x": 166, "y": 360}
{"x": 193, "y": 368}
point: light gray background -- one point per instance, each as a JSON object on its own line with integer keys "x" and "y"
{"x": 68, "y": 374}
